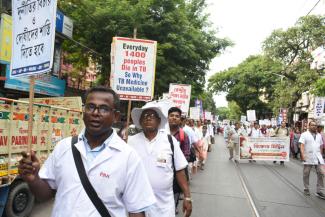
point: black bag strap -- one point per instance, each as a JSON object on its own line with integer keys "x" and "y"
{"x": 98, "y": 203}
{"x": 172, "y": 147}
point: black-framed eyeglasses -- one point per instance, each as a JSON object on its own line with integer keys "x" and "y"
{"x": 102, "y": 109}
{"x": 149, "y": 116}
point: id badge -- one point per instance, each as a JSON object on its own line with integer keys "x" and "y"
{"x": 161, "y": 160}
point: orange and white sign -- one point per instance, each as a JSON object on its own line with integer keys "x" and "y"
{"x": 180, "y": 94}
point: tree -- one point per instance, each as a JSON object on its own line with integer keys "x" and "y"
{"x": 292, "y": 48}
{"x": 234, "y": 111}
{"x": 186, "y": 43}
{"x": 222, "y": 112}
{"x": 249, "y": 85}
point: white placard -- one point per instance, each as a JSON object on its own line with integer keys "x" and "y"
{"x": 251, "y": 115}
{"x": 242, "y": 118}
{"x": 180, "y": 94}
{"x": 133, "y": 68}
{"x": 195, "y": 113}
{"x": 267, "y": 122}
{"x": 319, "y": 107}
{"x": 33, "y": 37}
{"x": 208, "y": 115}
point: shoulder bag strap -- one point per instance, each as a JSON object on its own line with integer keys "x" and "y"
{"x": 172, "y": 147}
{"x": 98, "y": 203}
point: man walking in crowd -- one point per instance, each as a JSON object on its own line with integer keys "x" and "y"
{"x": 311, "y": 155}
{"x": 282, "y": 131}
{"x": 174, "y": 121}
{"x": 160, "y": 160}
{"x": 255, "y": 131}
{"x": 113, "y": 168}
{"x": 210, "y": 129}
{"x": 233, "y": 136}
{"x": 193, "y": 139}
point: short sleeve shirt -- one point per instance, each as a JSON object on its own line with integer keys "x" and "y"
{"x": 156, "y": 156}
{"x": 312, "y": 148}
{"x": 116, "y": 173}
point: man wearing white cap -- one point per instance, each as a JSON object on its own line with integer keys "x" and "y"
{"x": 155, "y": 150}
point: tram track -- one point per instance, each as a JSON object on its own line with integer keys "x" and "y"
{"x": 309, "y": 200}
{"x": 253, "y": 202}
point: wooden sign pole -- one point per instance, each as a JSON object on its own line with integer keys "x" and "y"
{"x": 130, "y": 102}
{"x": 30, "y": 113}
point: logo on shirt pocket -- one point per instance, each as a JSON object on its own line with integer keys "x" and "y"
{"x": 104, "y": 175}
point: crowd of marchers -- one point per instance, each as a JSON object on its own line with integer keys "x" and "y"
{"x": 97, "y": 173}
{"x": 307, "y": 146}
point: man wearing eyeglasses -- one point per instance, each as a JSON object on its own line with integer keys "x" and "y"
{"x": 113, "y": 168}
{"x": 154, "y": 148}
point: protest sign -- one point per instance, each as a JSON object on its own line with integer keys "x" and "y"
{"x": 32, "y": 37}
{"x": 319, "y": 107}
{"x": 251, "y": 115}
{"x": 207, "y": 115}
{"x": 265, "y": 148}
{"x": 242, "y": 118}
{"x": 133, "y": 68}
{"x": 180, "y": 94}
{"x": 195, "y": 113}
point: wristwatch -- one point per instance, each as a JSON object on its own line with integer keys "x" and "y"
{"x": 188, "y": 199}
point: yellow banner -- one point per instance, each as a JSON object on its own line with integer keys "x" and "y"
{"x": 5, "y": 37}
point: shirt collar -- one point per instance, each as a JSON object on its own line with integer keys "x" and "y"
{"x": 109, "y": 142}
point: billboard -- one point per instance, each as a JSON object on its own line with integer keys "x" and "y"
{"x": 5, "y": 37}
{"x": 49, "y": 85}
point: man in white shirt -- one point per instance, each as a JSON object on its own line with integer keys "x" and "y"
{"x": 156, "y": 153}
{"x": 255, "y": 131}
{"x": 113, "y": 168}
{"x": 310, "y": 147}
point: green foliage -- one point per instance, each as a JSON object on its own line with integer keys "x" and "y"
{"x": 278, "y": 77}
{"x": 249, "y": 84}
{"x": 223, "y": 112}
{"x": 320, "y": 87}
{"x": 234, "y": 111}
{"x": 292, "y": 48}
{"x": 186, "y": 43}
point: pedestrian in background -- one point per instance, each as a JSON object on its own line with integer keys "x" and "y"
{"x": 233, "y": 138}
{"x": 113, "y": 168}
{"x": 295, "y": 142}
{"x": 311, "y": 154}
{"x": 282, "y": 131}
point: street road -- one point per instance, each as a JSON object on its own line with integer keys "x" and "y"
{"x": 261, "y": 189}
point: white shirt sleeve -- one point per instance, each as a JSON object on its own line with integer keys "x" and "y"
{"x": 180, "y": 160}
{"x": 138, "y": 194}
{"x": 302, "y": 139}
{"x": 47, "y": 172}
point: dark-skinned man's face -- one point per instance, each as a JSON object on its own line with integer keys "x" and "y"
{"x": 149, "y": 120}
{"x": 313, "y": 127}
{"x": 174, "y": 119}
{"x": 99, "y": 113}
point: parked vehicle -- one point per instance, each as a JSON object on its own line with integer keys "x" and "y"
{"x": 50, "y": 124}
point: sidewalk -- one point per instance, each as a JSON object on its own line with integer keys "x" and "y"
{"x": 217, "y": 190}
